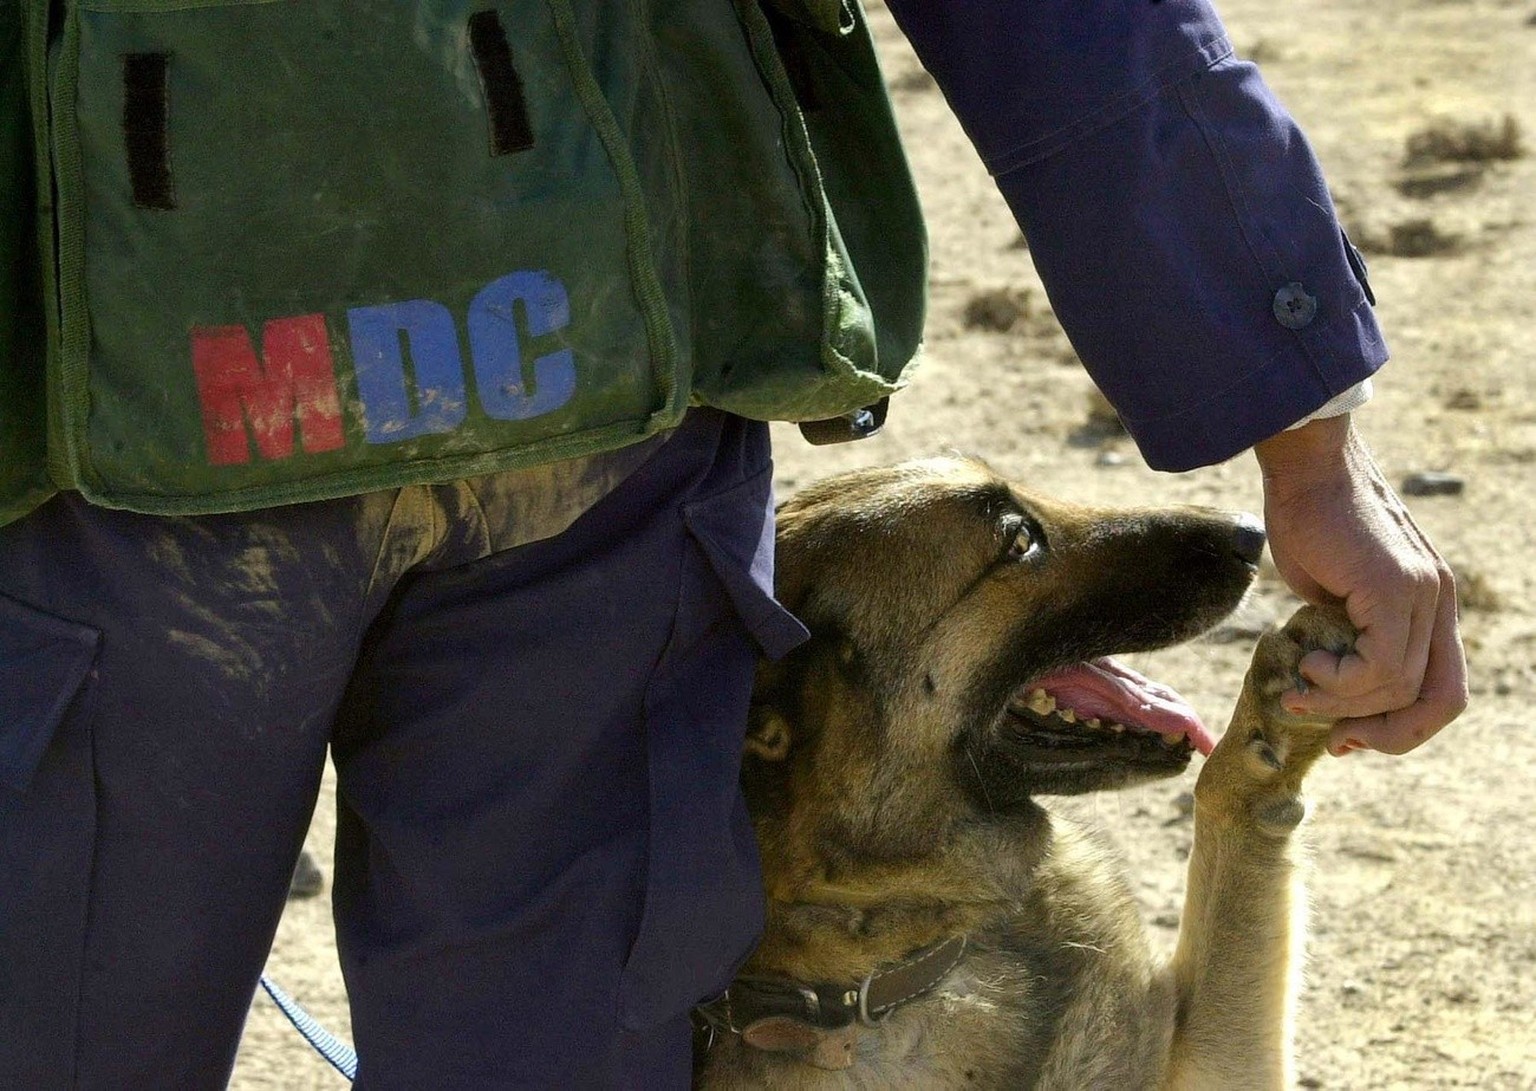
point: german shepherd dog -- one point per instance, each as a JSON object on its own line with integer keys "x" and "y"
{"x": 931, "y": 923}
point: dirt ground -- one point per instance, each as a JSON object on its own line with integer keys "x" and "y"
{"x": 1422, "y": 967}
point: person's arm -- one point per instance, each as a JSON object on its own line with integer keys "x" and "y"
{"x": 1189, "y": 247}
{"x": 1177, "y": 216}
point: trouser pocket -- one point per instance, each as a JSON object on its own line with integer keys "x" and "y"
{"x": 47, "y": 830}
{"x": 703, "y": 902}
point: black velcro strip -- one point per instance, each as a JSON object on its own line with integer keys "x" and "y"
{"x": 510, "y": 130}
{"x": 146, "y": 128}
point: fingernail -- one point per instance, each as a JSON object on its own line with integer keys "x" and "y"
{"x": 1349, "y": 746}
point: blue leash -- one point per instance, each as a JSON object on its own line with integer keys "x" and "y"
{"x": 342, "y": 1056}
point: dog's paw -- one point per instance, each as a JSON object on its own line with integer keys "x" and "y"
{"x": 1257, "y": 768}
{"x": 1277, "y": 659}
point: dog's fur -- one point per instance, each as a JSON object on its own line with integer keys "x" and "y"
{"x": 897, "y": 802}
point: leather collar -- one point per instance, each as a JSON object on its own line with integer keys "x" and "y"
{"x": 826, "y": 1006}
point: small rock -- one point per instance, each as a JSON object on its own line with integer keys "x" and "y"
{"x": 1437, "y": 178}
{"x": 1450, "y": 141}
{"x": 1102, "y": 424}
{"x": 1474, "y": 592}
{"x": 1433, "y": 483}
{"x": 1166, "y": 920}
{"x": 1421, "y": 238}
{"x": 307, "y": 878}
{"x": 1263, "y": 51}
{"x": 919, "y": 79}
{"x": 998, "y": 310}
{"x": 1183, "y": 810}
{"x": 1102, "y": 415}
{"x": 1464, "y": 398}
{"x": 1308, "y": 1081}
{"x": 1109, "y": 458}
{"x": 1351, "y": 988}
{"x": 1374, "y": 851}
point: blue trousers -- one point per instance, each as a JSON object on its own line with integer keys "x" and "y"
{"x": 543, "y": 858}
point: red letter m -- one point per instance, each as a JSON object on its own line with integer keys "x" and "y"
{"x": 238, "y": 391}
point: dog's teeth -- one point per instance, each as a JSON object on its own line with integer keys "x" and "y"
{"x": 1067, "y": 716}
{"x": 1094, "y": 723}
{"x": 1041, "y": 702}
{"x": 1118, "y": 729}
{"x": 1174, "y": 739}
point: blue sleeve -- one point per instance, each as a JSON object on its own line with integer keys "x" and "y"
{"x": 1175, "y": 212}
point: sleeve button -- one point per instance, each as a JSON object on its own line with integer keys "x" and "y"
{"x": 1294, "y": 308}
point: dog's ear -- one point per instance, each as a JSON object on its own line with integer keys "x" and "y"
{"x": 768, "y": 734}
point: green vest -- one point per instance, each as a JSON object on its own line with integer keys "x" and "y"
{"x": 281, "y": 250}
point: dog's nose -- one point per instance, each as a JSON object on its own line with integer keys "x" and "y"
{"x": 1248, "y": 538}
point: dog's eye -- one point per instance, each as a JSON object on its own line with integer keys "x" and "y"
{"x": 1022, "y": 543}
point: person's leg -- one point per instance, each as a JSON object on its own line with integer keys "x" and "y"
{"x": 166, "y": 694}
{"x": 542, "y": 858}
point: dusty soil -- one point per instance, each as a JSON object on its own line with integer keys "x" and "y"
{"x": 1422, "y": 968}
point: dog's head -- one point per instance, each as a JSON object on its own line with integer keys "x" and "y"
{"x": 958, "y": 665}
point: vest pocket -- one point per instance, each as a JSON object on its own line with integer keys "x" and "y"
{"x": 311, "y": 248}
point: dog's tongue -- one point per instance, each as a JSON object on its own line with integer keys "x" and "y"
{"x": 1110, "y": 691}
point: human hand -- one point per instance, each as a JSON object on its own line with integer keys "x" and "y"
{"x": 1339, "y": 533}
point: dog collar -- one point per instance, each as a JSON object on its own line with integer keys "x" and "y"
{"x": 783, "y": 1010}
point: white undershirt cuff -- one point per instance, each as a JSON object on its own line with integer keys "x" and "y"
{"x": 1337, "y": 406}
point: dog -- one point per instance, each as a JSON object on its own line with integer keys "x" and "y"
{"x": 931, "y": 922}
